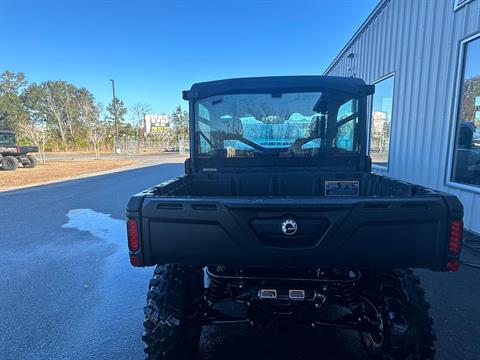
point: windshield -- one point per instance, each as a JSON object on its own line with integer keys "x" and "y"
{"x": 287, "y": 124}
{"x": 7, "y": 139}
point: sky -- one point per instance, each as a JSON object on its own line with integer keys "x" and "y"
{"x": 155, "y": 49}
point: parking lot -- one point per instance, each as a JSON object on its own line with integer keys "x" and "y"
{"x": 68, "y": 291}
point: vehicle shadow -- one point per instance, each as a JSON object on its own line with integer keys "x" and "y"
{"x": 243, "y": 342}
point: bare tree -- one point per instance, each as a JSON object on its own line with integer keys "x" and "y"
{"x": 59, "y": 102}
{"x": 95, "y": 128}
{"x": 68, "y": 101}
{"x": 138, "y": 111}
{"x": 36, "y": 132}
{"x": 54, "y": 109}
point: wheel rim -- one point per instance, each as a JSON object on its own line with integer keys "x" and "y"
{"x": 373, "y": 340}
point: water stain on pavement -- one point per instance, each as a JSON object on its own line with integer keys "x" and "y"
{"x": 98, "y": 224}
{"x": 112, "y": 315}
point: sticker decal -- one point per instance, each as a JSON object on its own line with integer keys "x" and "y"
{"x": 342, "y": 188}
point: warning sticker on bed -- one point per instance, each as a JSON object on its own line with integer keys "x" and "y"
{"x": 342, "y": 188}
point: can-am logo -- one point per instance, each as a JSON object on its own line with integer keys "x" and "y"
{"x": 289, "y": 226}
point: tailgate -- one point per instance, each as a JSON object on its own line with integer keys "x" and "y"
{"x": 377, "y": 232}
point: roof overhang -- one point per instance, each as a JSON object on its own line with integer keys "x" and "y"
{"x": 277, "y": 84}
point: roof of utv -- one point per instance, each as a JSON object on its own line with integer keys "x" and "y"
{"x": 277, "y": 84}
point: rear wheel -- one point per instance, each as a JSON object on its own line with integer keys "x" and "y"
{"x": 32, "y": 162}
{"x": 396, "y": 303}
{"x": 9, "y": 163}
{"x": 174, "y": 303}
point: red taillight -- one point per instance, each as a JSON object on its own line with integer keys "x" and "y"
{"x": 455, "y": 238}
{"x": 135, "y": 261}
{"x": 132, "y": 232}
{"x": 18, "y": 149}
{"x": 453, "y": 265}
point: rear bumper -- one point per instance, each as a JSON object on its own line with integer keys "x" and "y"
{"x": 359, "y": 232}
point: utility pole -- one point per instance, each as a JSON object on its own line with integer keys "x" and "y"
{"x": 117, "y": 150}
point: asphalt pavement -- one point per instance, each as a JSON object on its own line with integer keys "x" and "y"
{"x": 67, "y": 290}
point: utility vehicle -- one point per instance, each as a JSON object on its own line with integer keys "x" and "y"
{"x": 11, "y": 155}
{"x": 278, "y": 211}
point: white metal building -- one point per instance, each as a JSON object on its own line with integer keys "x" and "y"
{"x": 424, "y": 58}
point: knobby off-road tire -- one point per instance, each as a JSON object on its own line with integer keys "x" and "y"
{"x": 175, "y": 298}
{"x": 32, "y": 162}
{"x": 407, "y": 325}
{"x": 9, "y": 163}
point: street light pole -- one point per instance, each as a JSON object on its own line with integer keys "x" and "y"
{"x": 115, "y": 116}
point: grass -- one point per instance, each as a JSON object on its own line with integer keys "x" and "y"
{"x": 56, "y": 170}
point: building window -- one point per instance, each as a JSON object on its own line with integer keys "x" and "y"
{"x": 381, "y": 121}
{"x": 466, "y": 152}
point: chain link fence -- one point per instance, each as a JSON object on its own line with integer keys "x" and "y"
{"x": 135, "y": 147}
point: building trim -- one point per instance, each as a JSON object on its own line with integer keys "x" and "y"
{"x": 375, "y": 12}
{"x": 380, "y": 79}
{"x": 455, "y": 114}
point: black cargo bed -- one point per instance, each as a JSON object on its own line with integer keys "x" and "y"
{"x": 283, "y": 184}
{"x": 234, "y": 219}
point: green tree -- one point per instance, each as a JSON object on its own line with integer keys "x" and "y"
{"x": 179, "y": 120}
{"x": 11, "y": 110}
{"x": 35, "y": 126}
{"x": 118, "y": 108}
{"x": 12, "y": 83}
{"x": 32, "y": 99}
{"x": 42, "y": 103}
{"x": 58, "y": 104}
{"x": 56, "y": 114}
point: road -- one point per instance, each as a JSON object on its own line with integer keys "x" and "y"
{"x": 68, "y": 291}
